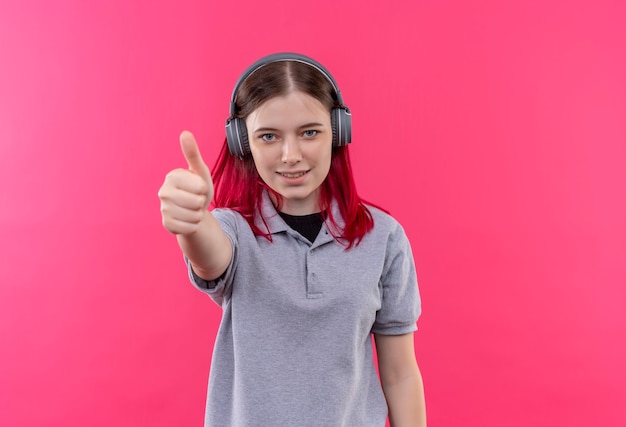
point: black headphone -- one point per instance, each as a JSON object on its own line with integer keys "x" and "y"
{"x": 340, "y": 118}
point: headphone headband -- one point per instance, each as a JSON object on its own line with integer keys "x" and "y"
{"x": 281, "y": 57}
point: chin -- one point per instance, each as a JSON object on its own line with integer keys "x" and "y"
{"x": 298, "y": 196}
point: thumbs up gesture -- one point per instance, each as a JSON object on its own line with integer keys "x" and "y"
{"x": 186, "y": 193}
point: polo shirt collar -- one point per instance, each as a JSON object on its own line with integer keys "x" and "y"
{"x": 276, "y": 224}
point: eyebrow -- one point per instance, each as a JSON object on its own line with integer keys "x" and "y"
{"x": 308, "y": 125}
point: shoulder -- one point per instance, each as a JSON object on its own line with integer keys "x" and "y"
{"x": 387, "y": 232}
{"x": 384, "y": 222}
{"x": 228, "y": 218}
{"x": 225, "y": 213}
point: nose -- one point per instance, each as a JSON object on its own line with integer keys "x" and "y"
{"x": 291, "y": 151}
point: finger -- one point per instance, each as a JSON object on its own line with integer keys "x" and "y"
{"x": 175, "y": 226}
{"x": 192, "y": 201}
{"x": 183, "y": 215}
{"x": 192, "y": 154}
{"x": 185, "y": 180}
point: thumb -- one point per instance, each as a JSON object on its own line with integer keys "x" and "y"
{"x": 192, "y": 154}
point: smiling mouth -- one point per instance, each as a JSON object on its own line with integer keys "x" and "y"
{"x": 293, "y": 175}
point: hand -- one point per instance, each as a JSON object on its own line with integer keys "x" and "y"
{"x": 186, "y": 193}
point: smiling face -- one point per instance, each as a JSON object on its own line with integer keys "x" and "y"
{"x": 291, "y": 143}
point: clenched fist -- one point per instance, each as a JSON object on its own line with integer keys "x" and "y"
{"x": 186, "y": 193}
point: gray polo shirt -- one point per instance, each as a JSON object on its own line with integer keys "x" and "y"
{"x": 294, "y": 347}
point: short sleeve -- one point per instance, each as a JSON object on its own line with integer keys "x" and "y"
{"x": 401, "y": 304}
{"x": 220, "y": 288}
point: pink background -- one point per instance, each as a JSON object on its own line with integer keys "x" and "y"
{"x": 494, "y": 131}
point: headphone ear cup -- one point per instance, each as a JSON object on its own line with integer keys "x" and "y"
{"x": 237, "y": 137}
{"x": 341, "y": 123}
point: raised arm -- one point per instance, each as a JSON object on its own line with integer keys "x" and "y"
{"x": 185, "y": 196}
{"x": 401, "y": 380}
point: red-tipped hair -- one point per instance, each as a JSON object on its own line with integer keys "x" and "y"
{"x": 239, "y": 187}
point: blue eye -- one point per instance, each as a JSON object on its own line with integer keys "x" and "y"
{"x": 310, "y": 133}
{"x": 268, "y": 137}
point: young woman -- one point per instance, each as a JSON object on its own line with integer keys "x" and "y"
{"x": 304, "y": 270}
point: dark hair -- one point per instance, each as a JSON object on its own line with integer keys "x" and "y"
{"x": 238, "y": 185}
{"x": 279, "y": 79}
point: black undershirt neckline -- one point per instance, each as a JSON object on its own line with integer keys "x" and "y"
{"x": 308, "y": 226}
